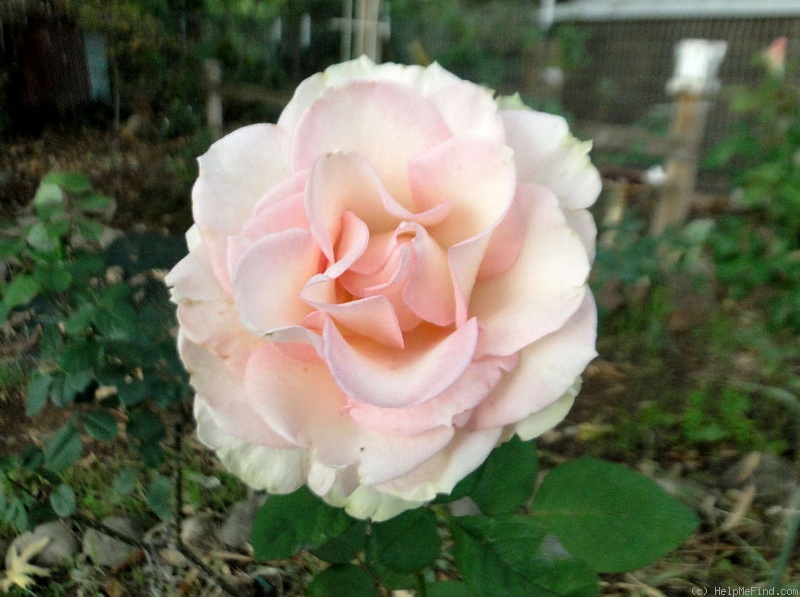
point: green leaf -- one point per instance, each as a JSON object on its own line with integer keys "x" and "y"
{"x": 41, "y": 237}
{"x": 610, "y": 516}
{"x": 506, "y": 480}
{"x": 145, "y": 425}
{"x": 67, "y": 386}
{"x": 117, "y": 323}
{"x": 514, "y": 556}
{"x": 20, "y": 291}
{"x": 89, "y": 229}
{"x": 80, "y": 319}
{"x": 408, "y": 542}
{"x": 72, "y": 182}
{"x": 38, "y": 390}
{"x": 285, "y": 524}
{"x": 48, "y": 195}
{"x": 3, "y": 312}
{"x": 100, "y": 424}
{"x": 11, "y": 247}
{"x": 125, "y": 481}
{"x": 133, "y": 393}
{"x": 159, "y": 497}
{"x": 343, "y": 579}
{"x": 345, "y": 547}
{"x": 94, "y": 203}
{"x": 64, "y": 449}
{"x": 453, "y": 588}
{"x": 63, "y": 500}
{"x": 80, "y": 355}
{"x": 53, "y": 277}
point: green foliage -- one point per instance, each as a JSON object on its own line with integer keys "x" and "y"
{"x": 763, "y": 153}
{"x": 588, "y": 516}
{"x": 100, "y": 332}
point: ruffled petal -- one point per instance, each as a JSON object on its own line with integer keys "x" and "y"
{"x": 582, "y": 222}
{"x": 543, "y": 288}
{"x": 548, "y": 417}
{"x": 547, "y": 154}
{"x": 223, "y": 392}
{"x": 465, "y": 452}
{"x": 546, "y": 370}
{"x": 340, "y": 183}
{"x": 475, "y": 175}
{"x": 429, "y": 364}
{"x": 328, "y": 126}
{"x": 446, "y": 409}
{"x": 469, "y": 110}
{"x": 269, "y": 279}
{"x": 277, "y": 470}
{"x": 302, "y": 402}
{"x": 429, "y": 292}
{"x": 234, "y": 173}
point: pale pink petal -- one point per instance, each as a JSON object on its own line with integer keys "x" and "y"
{"x": 276, "y": 470}
{"x": 429, "y": 292}
{"x": 465, "y": 259}
{"x": 546, "y": 370}
{"x": 223, "y": 391}
{"x": 469, "y": 109}
{"x": 506, "y": 241}
{"x": 234, "y": 174}
{"x": 425, "y": 80}
{"x": 270, "y": 277}
{"x": 547, "y": 154}
{"x": 342, "y": 182}
{"x": 282, "y": 214}
{"x": 582, "y": 222}
{"x": 466, "y": 452}
{"x": 292, "y": 185}
{"x": 476, "y": 175}
{"x": 387, "y": 143}
{"x": 372, "y": 317}
{"x": 302, "y": 402}
{"x": 206, "y": 312}
{"x": 429, "y": 364}
{"x": 466, "y": 393}
{"x": 543, "y": 288}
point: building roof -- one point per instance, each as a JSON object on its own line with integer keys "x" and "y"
{"x": 619, "y": 10}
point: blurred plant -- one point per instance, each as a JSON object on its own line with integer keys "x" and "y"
{"x": 759, "y": 258}
{"x": 106, "y": 355}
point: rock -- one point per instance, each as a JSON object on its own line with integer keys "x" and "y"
{"x": 236, "y": 530}
{"x": 105, "y": 550}
{"x": 463, "y": 507}
{"x": 197, "y": 531}
{"x": 59, "y": 551}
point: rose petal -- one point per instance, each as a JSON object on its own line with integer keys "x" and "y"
{"x": 223, "y": 391}
{"x": 543, "y": 288}
{"x": 430, "y": 363}
{"x": 429, "y": 292}
{"x": 270, "y": 276}
{"x": 234, "y": 174}
{"x": 476, "y": 175}
{"x": 340, "y": 183}
{"x": 468, "y": 391}
{"x": 465, "y": 453}
{"x": 582, "y": 222}
{"x": 425, "y": 80}
{"x": 328, "y": 126}
{"x": 469, "y": 110}
{"x": 302, "y": 402}
{"x": 276, "y": 470}
{"x": 548, "y": 417}
{"x": 546, "y": 370}
{"x": 547, "y": 154}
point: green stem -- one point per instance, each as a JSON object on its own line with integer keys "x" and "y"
{"x": 422, "y": 591}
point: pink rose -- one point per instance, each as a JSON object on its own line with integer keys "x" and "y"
{"x": 775, "y": 56}
{"x": 385, "y": 285}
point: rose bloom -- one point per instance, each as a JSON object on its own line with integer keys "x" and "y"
{"x": 385, "y": 285}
